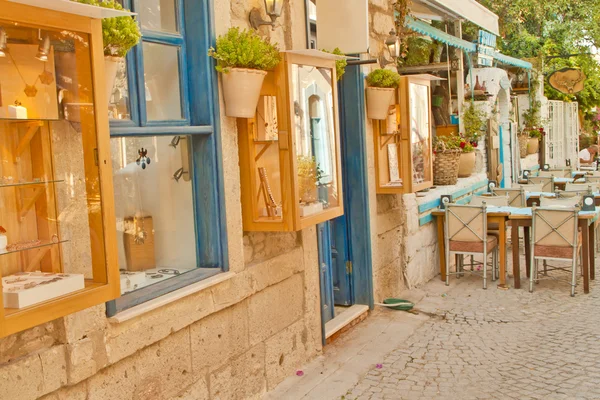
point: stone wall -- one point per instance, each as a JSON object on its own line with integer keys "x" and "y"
{"x": 236, "y": 338}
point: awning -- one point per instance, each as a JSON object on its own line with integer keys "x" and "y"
{"x": 441, "y": 36}
{"x": 469, "y": 10}
{"x": 504, "y": 59}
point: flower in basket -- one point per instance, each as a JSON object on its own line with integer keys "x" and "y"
{"x": 446, "y": 144}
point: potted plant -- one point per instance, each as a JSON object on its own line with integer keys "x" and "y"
{"x": 446, "y": 153}
{"x": 382, "y": 84}
{"x": 3, "y": 239}
{"x": 466, "y": 162}
{"x": 119, "y": 35}
{"x": 307, "y": 179}
{"x": 322, "y": 188}
{"x": 340, "y": 65}
{"x": 533, "y": 143}
{"x": 243, "y": 58}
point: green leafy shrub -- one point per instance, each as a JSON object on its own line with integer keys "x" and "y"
{"x": 119, "y": 34}
{"x": 244, "y": 49}
{"x": 340, "y": 65}
{"x": 474, "y": 121}
{"x": 443, "y": 144}
{"x": 383, "y": 78}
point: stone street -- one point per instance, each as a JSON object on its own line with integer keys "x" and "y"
{"x": 495, "y": 344}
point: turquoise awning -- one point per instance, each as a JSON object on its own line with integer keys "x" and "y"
{"x": 441, "y": 36}
{"x": 504, "y": 59}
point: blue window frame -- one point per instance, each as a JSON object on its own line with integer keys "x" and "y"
{"x": 189, "y": 34}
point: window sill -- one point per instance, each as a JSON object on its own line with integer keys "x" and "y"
{"x": 169, "y": 298}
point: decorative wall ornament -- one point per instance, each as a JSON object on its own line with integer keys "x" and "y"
{"x": 568, "y": 80}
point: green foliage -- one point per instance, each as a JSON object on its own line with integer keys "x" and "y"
{"x": 119, "y": 34}
{"x": 307, "y": 167}
{"x": 535, "y": 133}
{"x": 443, "y": 144}
{"x": 340, "y": 65}
{"x": 244, "y": 49}
{"x": 531, "y": 117}
{"x": 419, "y": 51}
{"x": 474, "y": 121}
{"x": 383, "y": 78}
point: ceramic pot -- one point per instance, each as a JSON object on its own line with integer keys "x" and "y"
{"x": 533, "y": 145}
{"x": 466, "y": 164}
{"x": 378, "y": 102}
{"x": 241, "y": 91}
{"x": 111, "y": 66}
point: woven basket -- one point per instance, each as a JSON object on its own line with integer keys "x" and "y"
{"x": 523, "y": 139}
{"x": 445, "y": 167}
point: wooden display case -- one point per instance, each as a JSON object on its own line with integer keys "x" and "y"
{"x": 290, "y": 152}
{"x": 58, "y": 252}
{"x": 403, "y": 142}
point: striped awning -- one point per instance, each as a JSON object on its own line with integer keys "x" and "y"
{"x": 441, "y": 36}
{"x": 504, "y": 59}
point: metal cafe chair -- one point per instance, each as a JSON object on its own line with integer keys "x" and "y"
{"x": 533, "y": 187}
{"x": 515, "y": 197}
{"x": 498, "y": 201}
{"x": 546, "y": 182}
{"x": 550, "y": 174}
{"x": 465, "y": 229}
{"x": 588, "y": 186}
{"x": 555, "y": 236}
{"x": 565, "y": 202}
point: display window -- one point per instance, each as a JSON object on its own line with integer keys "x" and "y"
{"x": 166, "y": 156}
{"x": 56, "y": 250}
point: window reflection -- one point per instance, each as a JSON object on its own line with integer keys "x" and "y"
{"x": 420, "y": 133}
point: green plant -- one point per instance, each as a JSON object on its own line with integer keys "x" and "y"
{"x": 340, "y": 65}
{"x": 307, "y": 167}
{"x": 474, "y": 122}
{"x": 419, "y": 51}
{"x": 244, "y": 49}
{"x": 383, "y": 78}
{"x": 119, "y": 34}
{"x": 531, "y": 117}
{"x": 443, "y": 144}
{"x": 535, "y": 133}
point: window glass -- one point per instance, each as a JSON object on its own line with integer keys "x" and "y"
{"x": 315, "y": 138}
{"x": 162, "y": 89}
{"x": 158, "y": 15}
{"x": 118, "y": 96}
{"x": 419, "y": 133}
{"x": 154, "y": 207}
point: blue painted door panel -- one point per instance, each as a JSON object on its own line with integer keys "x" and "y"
{"x": 342, "y": 289}
{"x": 325, "y": 263}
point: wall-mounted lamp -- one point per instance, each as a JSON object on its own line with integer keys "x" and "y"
{"x": 393, "y": 45}
{"x": 43, "y": 49}
{"x": 273, "y": 9}
{"x": 3, "y": 40}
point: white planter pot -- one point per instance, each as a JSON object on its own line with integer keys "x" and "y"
{"x": 378, "y": 102}
{"x": 111, "y": 66}
{"x": 241, "y": 91}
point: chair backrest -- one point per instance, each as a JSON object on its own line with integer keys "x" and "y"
{"x": 515, "y": 197}
{"x": 554, "y": 227}
{"x": 466, "y": 223}
{"x": 546, "y": 182}
{"x": 594, "y": 174}
{"x": 548, "y": 174}
{"x": 593, "y": 179}
{"x": 534, "y": 188}
{"x": 560, "y": 172}
{"x": 563, "y": 194}
{"x": 564, "y": 202}
{"x": 497, "y": 201}
{"x": 588, "y": 186}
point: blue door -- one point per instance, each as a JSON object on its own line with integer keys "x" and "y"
{"x": 341, "y": 264}
{"x": 325, "y": 263}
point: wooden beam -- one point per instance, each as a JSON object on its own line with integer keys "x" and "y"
{"x": 24, "y": 141}
{"x": 39, "y": 255}
{"x": 31, "y": 202}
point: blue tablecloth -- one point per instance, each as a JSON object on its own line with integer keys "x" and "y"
{"x": 527, "y": 210}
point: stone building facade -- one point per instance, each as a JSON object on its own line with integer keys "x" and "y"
{"x": 238, "y": 334}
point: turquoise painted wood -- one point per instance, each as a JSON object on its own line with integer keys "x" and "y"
{"x": 501, "y": 155}
{"x": 325, "y": 273}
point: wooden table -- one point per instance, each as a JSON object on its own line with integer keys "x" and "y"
{"x": 587, "y": 224}
{"x": 493, "y": 217}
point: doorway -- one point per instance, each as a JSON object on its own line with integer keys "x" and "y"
{"x": 345, "y": 242}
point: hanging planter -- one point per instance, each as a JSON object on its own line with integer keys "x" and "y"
{"x": 243, "y": 58}
{"x": 119, "y": 35}
{"x": 380, "y": 92}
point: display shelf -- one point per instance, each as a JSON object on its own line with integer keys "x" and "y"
{"x": 44, "y": 243}
{"x": 71, "y": 7}
{"x": 32, "y": 183}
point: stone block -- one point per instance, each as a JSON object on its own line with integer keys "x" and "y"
{"x": 22, "y": 379}
{"x": 382, "y": 4}
{"x": 276, "y": 269}
{"x": 242, "y": 378}
{"x": 389, "y": 221}
{"x": 196, "y": 391}
{"x": 156, "y": 372}
{"x": 54, "y": 368}
{"x": 80, "y": 360}
{"x": 275, "y": 308}
{"x": 30, "y": 341}
{"x": 124, "y": 339}
{"x": 219, "y": 337}
{"x": 285, "y": 353}
{"x": 82, "y": 323}
{"x": 382, "y": 23}
{"x": 389, "y": 248}
{"x": 232, "y": 291}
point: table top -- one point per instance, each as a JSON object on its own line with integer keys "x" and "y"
{"x": 522, "y": 212}
{"x": 549, "y": 194}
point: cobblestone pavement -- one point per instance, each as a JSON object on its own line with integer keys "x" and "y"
{"x": 495, "y": 344}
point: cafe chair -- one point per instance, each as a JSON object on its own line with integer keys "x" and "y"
{"x": 595, "y": 180}
{"x": 534, "y": 187}
{"x": 551, "y": 174}
{"x": 563, "y": 194}
{"x": 465, "y": 228}
{"x": 587, "y": 186}
{"x": 555, "y": 236}
{"x": 515, "y": 196}
{"x": 546, "y": 182}
{"x": 562, "y": 172}
{"x": 565, "y": 202}
{"x": 496, "y": 201}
